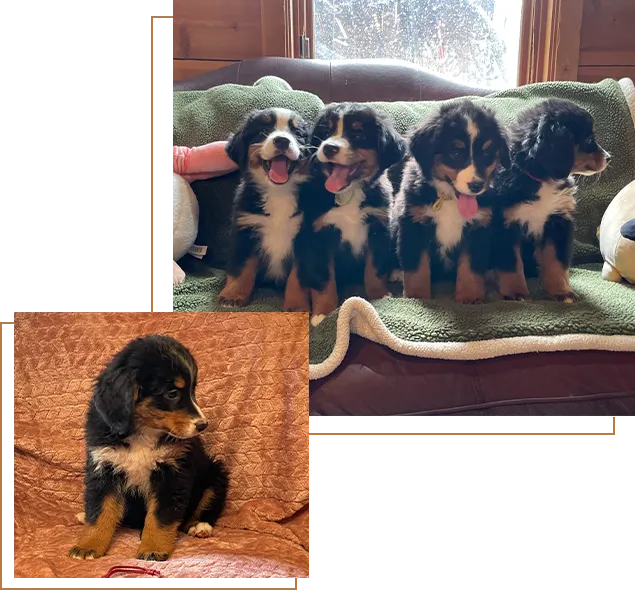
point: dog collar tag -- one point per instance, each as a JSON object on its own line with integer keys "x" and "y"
{"x": 343, "y": 198}
{"x": 438, "y": 204}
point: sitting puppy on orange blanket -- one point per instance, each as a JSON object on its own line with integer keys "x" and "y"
{"x": 345, "y": 235}
{"x": 145, "y": 466}
{"x": 442, "y": 213}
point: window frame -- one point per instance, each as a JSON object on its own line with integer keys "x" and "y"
{"x": 549, "y": 38}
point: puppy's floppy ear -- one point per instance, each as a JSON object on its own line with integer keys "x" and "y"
{"x": 503, "y": 151}
{"x": 114, "y": 397}
{"x": 303, "y": 130}
{"x": 321, "y": 129}
{"x": 553, "y": 148}
{"x": 392, "y": 147}
{"x": 422, "y": 144}
{"x": 237, "y": 148}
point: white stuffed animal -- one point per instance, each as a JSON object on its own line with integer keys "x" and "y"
{"x": 189, "y": 164}
{"x": 617, "y": 237}
{"x": 184, "y": 223}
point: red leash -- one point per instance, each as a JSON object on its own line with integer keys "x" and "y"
{"x": 131, "y": 569}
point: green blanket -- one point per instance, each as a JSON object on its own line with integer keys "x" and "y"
{"x": 203, "y": 116}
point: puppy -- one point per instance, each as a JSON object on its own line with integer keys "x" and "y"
{"x": 536, "y": 196}
{"x": 442, "y": 212}
{"x": 346, "y": 205}
{"x": 270, "y": 150}
{"x": 145, "y": 465}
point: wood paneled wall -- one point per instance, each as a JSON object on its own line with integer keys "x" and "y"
{"x": 607, "y": 40}
{"x": 209, "y": 34}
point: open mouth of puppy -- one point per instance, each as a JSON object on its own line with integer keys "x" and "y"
{"x": 341, "y": 176}
{"x": 278, "y": 169}
{"x": 467, "y": 204}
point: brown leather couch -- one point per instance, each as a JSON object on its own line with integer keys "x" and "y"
{"x": 373, "y": 380}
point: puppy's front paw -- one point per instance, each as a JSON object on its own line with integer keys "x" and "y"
{"x": 232, "y": 301}
{"x": 317, "y": 319}
{"x": 469, "y": 293}
{"x": 152, "y": 555}
{"x": 468, "y": 299}
{"x": 515, "y": 297}
{"x": 377, "y": 293}
{"x": 569, "y": 297}
{"x": 296, "y": 302}
{"x": 200, "y": 530}
{"x": 79, "y": 552}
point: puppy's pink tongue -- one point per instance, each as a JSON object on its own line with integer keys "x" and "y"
{"x": 338, "y": 178}
{"x": 468, "y": 207}
{"x": 278, "y": 171}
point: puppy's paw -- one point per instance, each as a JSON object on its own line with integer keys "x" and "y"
{"x": 234, "y": 293}
{"x": 152, "y": 555}
{"x": 316, "y": 320}
{"x": 569, "y": 297}
{"x": 178, "y": 276}
{"x": 298, "y": 308}
{"x": 396, "y": 276}
{"x": 232, "y": 301}
{"x": 79, "y": 552}
{"x": 296, "y": 302}
{"x": 469, "y": 299}
{"x": 378, "y": 293}
{"x": 200, "y": 530}
{"x": 422, "y": 294}
{"x": 515, "y": 297}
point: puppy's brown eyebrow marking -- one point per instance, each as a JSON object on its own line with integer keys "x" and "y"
{"x": 357, "y": 125}
{"x": 458, "y": 143}
{"x": 487, "y": 144}
{"x": 179, "y": 382}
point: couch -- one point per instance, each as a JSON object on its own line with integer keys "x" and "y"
{"x": 373, "y": 380}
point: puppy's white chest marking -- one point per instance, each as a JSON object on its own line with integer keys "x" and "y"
{"x": 278, "y": 228}
{"x": 551, "y": 200}
{"x": 450, "y": 224}
{"x": 350, "y": 219}
{"x": 136, "y": 462}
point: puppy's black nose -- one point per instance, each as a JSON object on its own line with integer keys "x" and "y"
{"x": 282, "y": 143}
{"x": 475, "y": 185}
{"x": 330, "y": 149}
{"x": 201, "y": 425}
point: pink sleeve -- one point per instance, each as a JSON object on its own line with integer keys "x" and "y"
{"x": 205, "y": 161}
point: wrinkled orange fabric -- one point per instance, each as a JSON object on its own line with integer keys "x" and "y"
{"x": 253, "y": 388}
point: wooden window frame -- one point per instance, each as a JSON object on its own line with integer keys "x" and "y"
{"x": 549, "y": 40}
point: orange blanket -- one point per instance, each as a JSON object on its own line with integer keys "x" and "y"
{"x": 253, "y": 387}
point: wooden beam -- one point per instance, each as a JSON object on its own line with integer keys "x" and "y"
{"x": 550, "y": 40}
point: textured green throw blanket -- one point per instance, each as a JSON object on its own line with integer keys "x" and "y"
{"x": 605, "y": 309}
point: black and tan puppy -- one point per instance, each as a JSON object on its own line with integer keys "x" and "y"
{"x": 270, "y": 150}
{"x": 535, "y": 197}
{"x": 346, "y": 205}
{"x": 442, "y": 213}
{"x": 145, "y": 466}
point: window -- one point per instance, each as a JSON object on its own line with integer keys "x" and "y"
{"x": 474, "y": 41}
